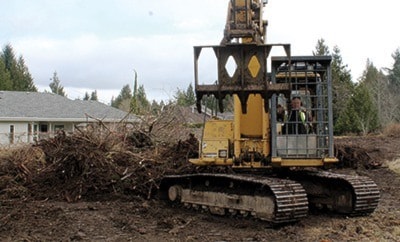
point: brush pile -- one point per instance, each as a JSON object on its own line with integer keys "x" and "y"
{"x": 92, "y": 164}
{"x": 97, "y": 163}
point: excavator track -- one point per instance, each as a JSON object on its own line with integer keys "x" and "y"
{"x": 271, "y": 199}
{"x": 340, "y": 193}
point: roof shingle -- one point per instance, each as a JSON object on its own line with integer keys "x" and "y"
{"x": 49, "y": 106}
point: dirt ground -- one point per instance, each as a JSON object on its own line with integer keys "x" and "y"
{"x": 134, "y": 217}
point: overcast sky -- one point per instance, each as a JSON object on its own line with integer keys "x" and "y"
{"x": 97, "y": 44}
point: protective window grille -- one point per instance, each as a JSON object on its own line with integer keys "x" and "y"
{"x": 304, "y": 132}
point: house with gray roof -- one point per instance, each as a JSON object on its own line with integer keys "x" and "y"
{"x": 29, "y": 116}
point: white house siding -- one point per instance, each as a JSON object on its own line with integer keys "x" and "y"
{"x": 22, "y": 134}
{"x": 26, "y": 109}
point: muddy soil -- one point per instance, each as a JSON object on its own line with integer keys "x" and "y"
{"x": 134, "y": 217}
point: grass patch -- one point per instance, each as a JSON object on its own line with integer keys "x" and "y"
{"x": 394, "y": 166}
{"x": 392, "y": 130}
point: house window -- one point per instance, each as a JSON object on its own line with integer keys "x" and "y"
{"x": 43, "y": 128}
{"x": 58, "y": 127}
{"x": 11, "y": 135}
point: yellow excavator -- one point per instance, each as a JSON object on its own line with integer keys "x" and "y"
{"x": 275, "y": 150}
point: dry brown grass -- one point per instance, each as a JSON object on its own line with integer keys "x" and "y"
{"x": 395, "y": 166}
{"x": 392, "y": 130}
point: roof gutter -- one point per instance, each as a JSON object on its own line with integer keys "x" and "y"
{"x": 88, "y": 119}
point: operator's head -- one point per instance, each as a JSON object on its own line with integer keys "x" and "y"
{"x": 296, "y": 103}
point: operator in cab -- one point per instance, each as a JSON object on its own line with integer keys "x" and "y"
{"x": 298, "y": 121}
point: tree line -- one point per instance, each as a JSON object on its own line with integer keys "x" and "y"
{"x": 367, "y": 105}
{"x": 371, "y": 103}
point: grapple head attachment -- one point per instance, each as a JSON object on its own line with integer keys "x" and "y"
{"x": 249, "y": 77}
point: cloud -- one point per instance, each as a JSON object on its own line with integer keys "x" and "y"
{"x": 96, "y": 45}
{"x": 87, "y": 61}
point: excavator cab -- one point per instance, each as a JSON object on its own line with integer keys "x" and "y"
{"x": 307, "y": 139}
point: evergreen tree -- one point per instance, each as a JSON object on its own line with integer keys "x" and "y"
{"x": 19, "y": 74}
{"x": 394, "y": 72}
{"x": 345, "y": 123}
{"x": 342, "y": 86}
{"x": 142, "y": 104}
{"x": 139, "y": 103}
{"x": 210, "y": 104}
{"x": 360, "y": 115}
{"x": 180, "y": 97}
{"x": 86, "y": 97}
{"x": 5, "y": 80}
{"x": 93, "y": 96}
{"x": 185, "y": 98}
{"x": 155, "y": 108}
{"x": 55, "y": 85}
{"x": 228, "y": 103}
{"x": 123, "y": 99}
{"x": 321, "y": 48}
{"x": 190, "y": 96}
{"x": 25, "y": 79}
{"x": 9, "y": 58}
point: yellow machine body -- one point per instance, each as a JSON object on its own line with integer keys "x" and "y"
{"x": 246, "y": 141}
{"x": 246, "y": 134}
{"x": 268, "y": 130}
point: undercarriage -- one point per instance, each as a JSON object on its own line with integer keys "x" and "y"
{"x": 339, "y": 193}
{"x": 276, "y": 200}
